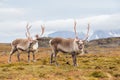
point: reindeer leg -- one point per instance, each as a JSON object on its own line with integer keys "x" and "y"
{"x": 11, "y": 53}
{"x": 82, "y": 51}
{"x": 74, "y": 59}
{"x": 28, "y": 56}
{"x": 55, "y": 56}
{"x": 34, "y": 60}
{"x": 9, "y": 60}
{"x": 51, "y": 58}
{"x": 18, "y": 56}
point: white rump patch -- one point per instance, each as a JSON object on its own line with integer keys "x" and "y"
{"x": 35, "y": 46}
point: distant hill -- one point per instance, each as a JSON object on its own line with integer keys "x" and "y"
{"x": 98, "y": 34}
{"x": 104, "y": 42}
{"x": 104, "y": 34}
{"x": 44, "y": 42}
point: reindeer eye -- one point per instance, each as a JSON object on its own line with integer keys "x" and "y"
{"x": 80, "y": 44}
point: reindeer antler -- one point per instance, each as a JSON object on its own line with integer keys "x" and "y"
{"x": 28, "y": 32}
{"x": 87, "y": 32}
{"x": 76, "y": 35}
{"x": 43, "y": 29}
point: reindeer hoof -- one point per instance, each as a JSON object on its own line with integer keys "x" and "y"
{"x": 9, "y": 62}
{"x": 56, "y": 64}
{"x": 34, "y": 60}
{"x": 75, "y": 65}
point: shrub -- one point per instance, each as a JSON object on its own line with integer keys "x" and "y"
{"x": 98, "y": 74}
{"x": 42, "y": 75}
{"x": 19, "y": 68}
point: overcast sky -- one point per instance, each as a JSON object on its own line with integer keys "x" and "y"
{"x": 56, "y": 15}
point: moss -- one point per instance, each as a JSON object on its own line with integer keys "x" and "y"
{"x": 90, "y": 67}
{"x": 58, "y": 73}
{"x": 5, "y": 69}
{"x": 2, "y": 77}
{"x": 19, "y": 68}
{"x": 42, "y": 75}
{"x": 117, "y": 74}
{"x": 98, "y": 74}
{"x": 68, "y": 78}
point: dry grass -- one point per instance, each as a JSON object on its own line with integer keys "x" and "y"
{"x": 104, "y": 65}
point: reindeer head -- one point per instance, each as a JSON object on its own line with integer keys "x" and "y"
{"x": 33, "y": 42}
{"x": 80, "y": 43}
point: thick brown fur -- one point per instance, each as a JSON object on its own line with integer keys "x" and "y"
{"x": 23, "y": 45}
{"x": 67, "y": 45}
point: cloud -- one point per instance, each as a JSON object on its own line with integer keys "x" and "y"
{"x": 11, "y": 13}
{"x": 97, "y": 22}
{"x": 16, "y": 29}
{"x": 102, "y": 22}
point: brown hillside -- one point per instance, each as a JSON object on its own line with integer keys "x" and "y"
{"x": 106, "y": 42}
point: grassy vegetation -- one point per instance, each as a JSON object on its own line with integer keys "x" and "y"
{"x": 104, "y": 64}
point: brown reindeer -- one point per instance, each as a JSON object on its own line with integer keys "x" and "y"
{"x": 68, "y": 45}
{"x": 28, "y": 45}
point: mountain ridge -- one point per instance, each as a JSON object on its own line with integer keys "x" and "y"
{"x": 98, "y": 34}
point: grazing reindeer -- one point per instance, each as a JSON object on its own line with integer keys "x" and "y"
{"x": 72, "y": 46}
{"x": 28, "y": 45}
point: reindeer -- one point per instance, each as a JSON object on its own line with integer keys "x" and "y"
{"x": 67, "y": 45}
{"x": 28, "y": 45}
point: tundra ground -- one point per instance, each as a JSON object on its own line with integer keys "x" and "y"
{"x": 98, "y": 64}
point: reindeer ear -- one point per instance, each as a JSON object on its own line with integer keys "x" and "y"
{"x": 77, "y": 41}
{"x": 36, "y": 36}
{"x": 85, "y": 41}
